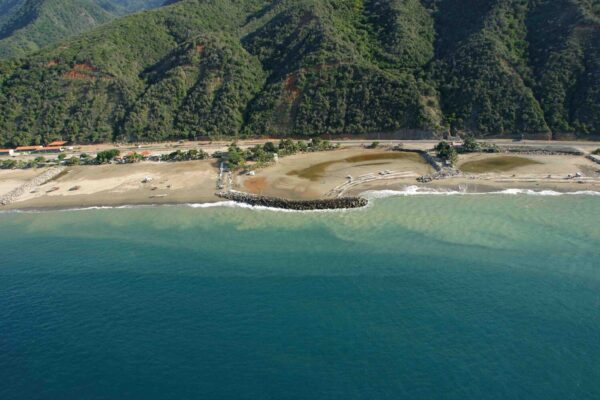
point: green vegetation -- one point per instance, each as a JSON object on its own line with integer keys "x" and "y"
{"x": 446, "y": 152}
{"x": 260, "y": 155}
{"x": 596, "y": 152}
{"x": 22, "y": 164}
{"x": 27, "y": 25}
{"x": 132, "y": 158}
{"x": 189, "y": 155}
{"x": 74, "y": 160}
{"x": 304, "y": 68}
{"x": 8, "y": 164}
{"x": 470, "y": 145}
{"x": 317, "y": 144}
{"x": 105, "y": 157}
{"x": 237, "y": 158}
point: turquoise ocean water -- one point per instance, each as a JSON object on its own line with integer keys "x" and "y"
{"x": 421, "y": 297}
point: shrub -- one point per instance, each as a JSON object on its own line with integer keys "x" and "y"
{"x": 8, "y": 164}
{"x": 269, "y": 147}
{"x": 104, "y": 157}
{"x": 470, "y": 145}
{"x": 447, "y": 152}
{"x": 73, "y": 161}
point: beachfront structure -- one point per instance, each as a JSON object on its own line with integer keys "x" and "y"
{"x": 28, "y": 148}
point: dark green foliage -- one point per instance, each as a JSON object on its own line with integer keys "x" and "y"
{"x": 470, "y": 145}
{"x": 107, "y": 156}
{"x": 73, "y": 161}
{"x": 596, "y": 152}
{"x": 189, "y": 155}
{"x": 269, "y": 147}
{"x": 8, "y": 164}
{"x": 235, "y": 156}
{"x": 259, "y": 154}
{"x": 27, "y": 25}
{"x": 446, "y": 152}
{"x": 288, "y": 147}
{"x": 240, "y": 68}
{"x": 317, "y": 144}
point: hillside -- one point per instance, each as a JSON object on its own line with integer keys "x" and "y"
{"x": 27, "y": 25}
{"x": 308, "y": 67}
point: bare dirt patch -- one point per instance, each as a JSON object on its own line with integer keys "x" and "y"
{"x": 497, "y": 164}
{"x": 256, "y": 185}
{"x": 317, "y": 171}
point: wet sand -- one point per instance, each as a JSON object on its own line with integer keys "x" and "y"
{"x": 314, "y": 175}
{"x": 298, "y": 177}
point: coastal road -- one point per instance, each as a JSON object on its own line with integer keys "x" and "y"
{"x": 214, "y": 146}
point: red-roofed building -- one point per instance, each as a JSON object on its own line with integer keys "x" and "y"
{"x": 28, "y": 148}
{"x": 6, "y": 152}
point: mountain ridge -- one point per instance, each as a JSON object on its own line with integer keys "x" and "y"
{"x": 292, "y": 68}
{"x": 28, "y": 25}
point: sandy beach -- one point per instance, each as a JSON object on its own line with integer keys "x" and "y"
{"x": 350, "y": 170}
{"x": 116, "y": 185}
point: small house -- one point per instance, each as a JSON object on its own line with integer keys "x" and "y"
{"x": 7, "y": 152}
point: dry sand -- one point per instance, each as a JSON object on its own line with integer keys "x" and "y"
{"x": 112, "y": 185}
{"x": 10, "y": 179}
{"x": 302, "y": 176}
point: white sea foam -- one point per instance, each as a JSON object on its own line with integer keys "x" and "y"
{"x": 233, "y": 204}
{"x": 370, "y": 195}
{"x": 420, "y": 191}
{"x": 531, "y": 192}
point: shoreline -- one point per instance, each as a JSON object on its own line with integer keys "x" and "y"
{"x": 313, "y": 177}
{"x": 370, "y": 195}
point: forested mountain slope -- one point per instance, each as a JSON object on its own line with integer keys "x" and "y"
{"x": 27, "y": 25}
{"x": 307, "y": 67}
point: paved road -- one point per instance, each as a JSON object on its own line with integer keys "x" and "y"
{"x": 213, "y": 146}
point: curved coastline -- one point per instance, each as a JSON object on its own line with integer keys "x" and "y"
{"x": 369, "y": 196}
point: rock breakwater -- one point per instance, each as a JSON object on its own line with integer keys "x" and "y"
{"x": 299, "y": 205}
{"x": 30, "y": 185}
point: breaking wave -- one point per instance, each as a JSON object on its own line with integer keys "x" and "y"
{"x": 420, "y": 191}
